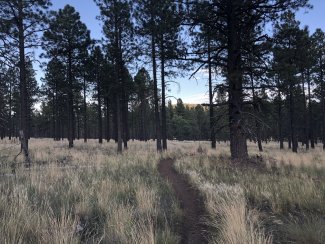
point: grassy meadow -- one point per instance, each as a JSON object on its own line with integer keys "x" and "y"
{"x": 89, "y": 194}
{"x": 276, "y": 197}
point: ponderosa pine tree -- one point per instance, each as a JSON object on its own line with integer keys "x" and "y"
{"x": 318, "y": 39}
{"x": 170, "y": 48}
{"x": 118, "y": 30}
{"x": 288, "y": 38}
{"x": 54, "y": 88}
{"x": 67, "y": 38}
{"x": 233, "y": 24}
{"x": 22, "y": 20}
{"x": 147, "y": 14}
{"x": 97, "y": 69}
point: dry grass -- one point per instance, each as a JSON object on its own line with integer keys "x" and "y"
{"x": 87, "y": 194}
{"x": 260, "y": 202}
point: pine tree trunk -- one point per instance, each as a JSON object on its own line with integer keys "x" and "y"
{"x": 292, "y": 118}
{"x": 323, "y": 104}
{"x": 107, "y": 120}
{"x": 78, "y": 124}
{"x": 279, "y": 101}
{"x": 85, "y": 111}
{"x": 163, "y": 96}
{"x": 125, "y": 120}
{"x": 156, "y": 100}
{"x": 118, "y": 124}
{"x": 99, "y": 113}
{"x": 211, "y": 109}
{"x": 257, "y": 111}
{"x": 23, "y": 84}
{"x": 70, "y": 103}
{"x": 10, "y": 111}
{"x": 310, "y": 112}
{"x": 306, "y": 137}
{"x": 238, "y": 143}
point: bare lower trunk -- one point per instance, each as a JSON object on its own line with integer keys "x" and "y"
{"x": 292, "y": 119}
{"x": 99, "y": 111}
{"x": 85, "y": 111}
{"x": 280, "y": 115}
{"x": 310, "y": 112}
{"x": 23, "y": 85}
{"x": 118, "y": 124}
{"x": 70, "y": 103}
{"x": 211, "y": 109}
{"x": 156, "y": 101}
{"x": 238, "y": 143}
{"x": 163, "y": 97}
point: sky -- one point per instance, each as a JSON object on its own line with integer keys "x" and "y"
{"x": 189, "y": 90}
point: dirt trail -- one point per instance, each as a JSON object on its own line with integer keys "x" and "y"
{"x": 192, "y": 228}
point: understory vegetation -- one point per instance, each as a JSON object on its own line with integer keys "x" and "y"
{"x": 88, "y": 194}
{"x": 276, "y": 197}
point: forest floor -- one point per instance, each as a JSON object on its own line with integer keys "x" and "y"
{"x": 193, "y": 230}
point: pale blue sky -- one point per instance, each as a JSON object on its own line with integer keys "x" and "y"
{"x": 194, "y": 90}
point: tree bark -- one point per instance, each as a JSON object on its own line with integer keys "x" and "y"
{"x": 211, "y": 109}
{"x": 99, "y": 113}
{"x": 292, "y": 123}
{"x": 85, "y": 110}
{"x": 305, "y": 129}
{"x": 22, "y": 76}
{"x": 280, "y": 115}
{"x": 118, "y": 124}
{"x": 125, "y": 119}
{"x": 163, "y": 95}
{"x": 323, "y": 103}
{"x": 310, "y": 112}
{"x": 70, "y": 102}
{"x": 238, "y": 143}
{"x": 107, "y": 120}
{"x": 156, "y": 100}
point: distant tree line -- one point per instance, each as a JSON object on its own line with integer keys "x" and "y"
{"x": 273, "y": 85}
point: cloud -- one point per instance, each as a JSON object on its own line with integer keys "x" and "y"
{"x": 197, "y": 98}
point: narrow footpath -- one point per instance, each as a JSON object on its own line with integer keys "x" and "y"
{"x": 192, "y": 229}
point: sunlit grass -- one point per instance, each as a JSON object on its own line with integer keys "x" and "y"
{"x": 91, "y": 194}
{"x": 261, "y": 201}
{"x": 87, "y": 194}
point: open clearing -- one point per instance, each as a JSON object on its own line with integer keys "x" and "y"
{"x": 89, "y": 194}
